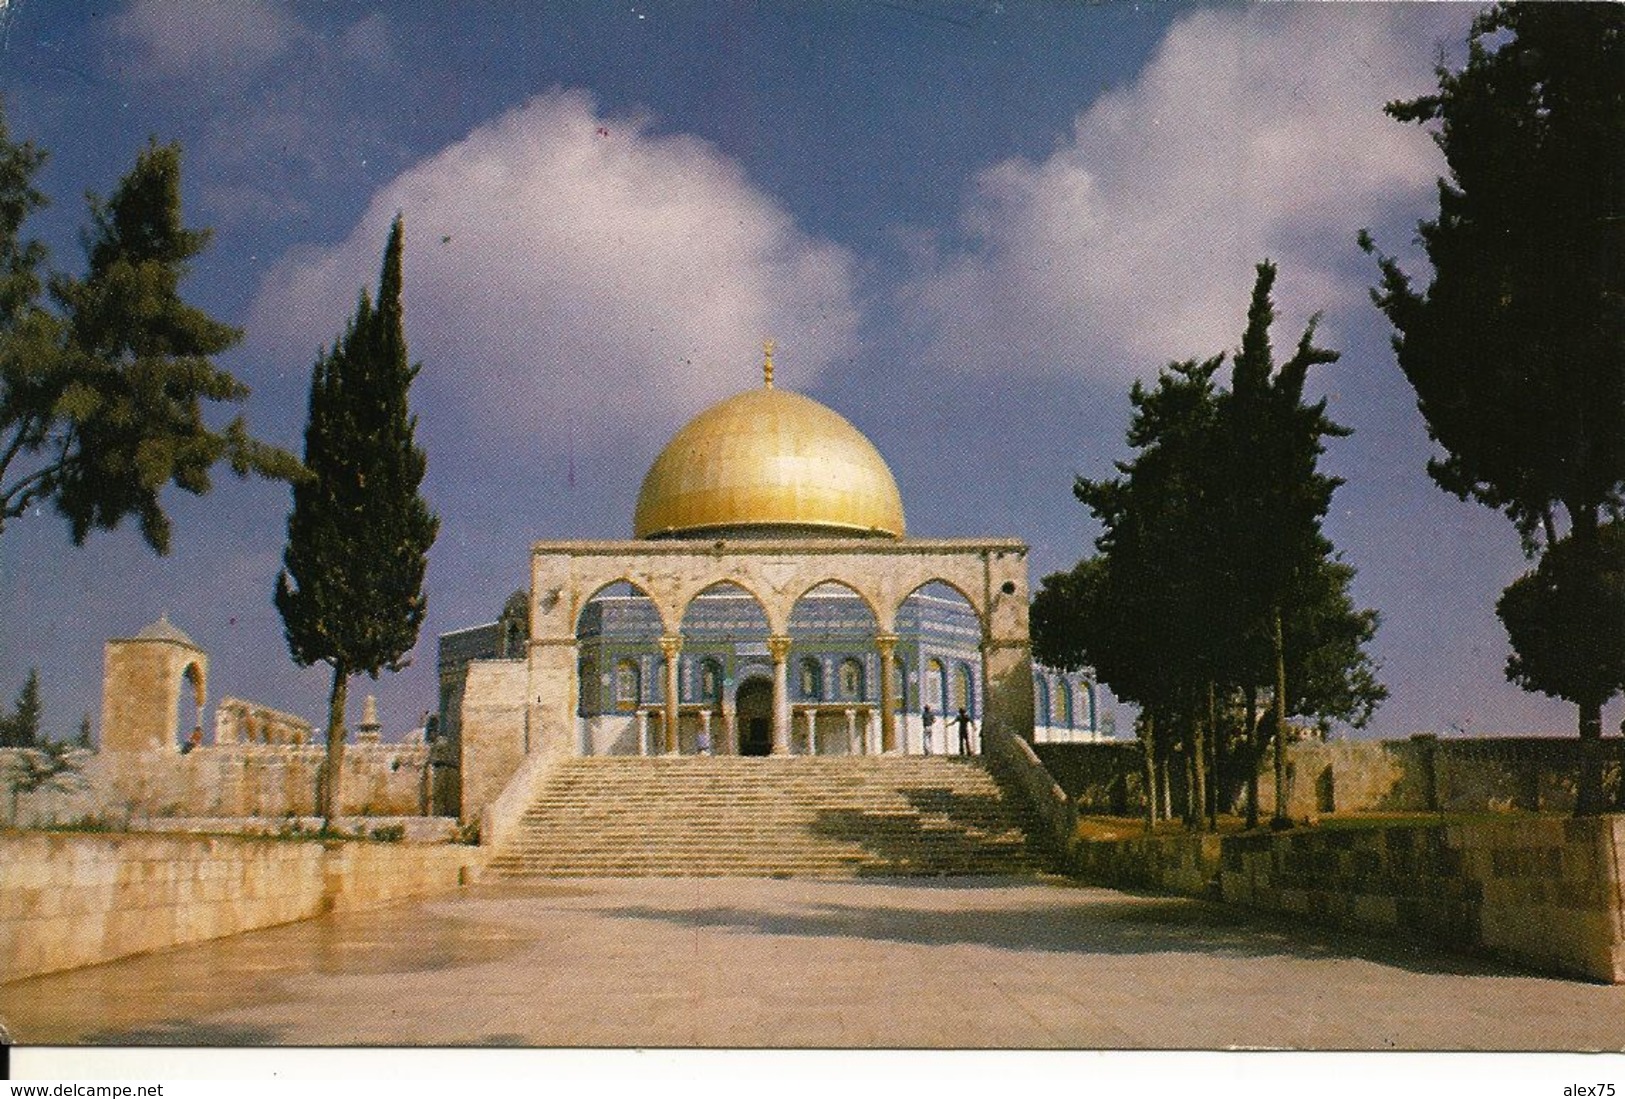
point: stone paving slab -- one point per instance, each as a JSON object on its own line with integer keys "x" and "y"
{"x": 979, "y": 963}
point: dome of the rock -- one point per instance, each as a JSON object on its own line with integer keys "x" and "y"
{"x": 768, "y": 463}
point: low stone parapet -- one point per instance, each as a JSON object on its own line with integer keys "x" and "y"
{"x": 74, "y": 900}
{"x": 1547, "y": 892}
{"x": 1187, "y": 864}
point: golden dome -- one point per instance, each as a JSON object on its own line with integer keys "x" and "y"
{"x": 768, "y": 462}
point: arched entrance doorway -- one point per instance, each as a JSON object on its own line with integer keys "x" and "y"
{"x": 754, "y": 707}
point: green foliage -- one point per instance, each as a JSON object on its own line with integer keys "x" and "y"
{"x": 21, "y": 727}
{"x": 1215, "y": 522}
{"x": 83, "y": 739}
{"x": 1566, "y": 619}
{"x": 1330, "y": 677}
{"x": 388, "y": 833}
{"x": 102, "y": 397}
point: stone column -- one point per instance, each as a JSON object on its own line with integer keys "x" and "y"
{"x": 641, "y": 720}
{"x": 705, "y": 729}
{"x": 852, "y": 731}
{"x": 886, "y": 643}
{"x": 778, "y": 646}
{"x": 730, "y": 727}
{"x": 670, "y": 647}
{"x": 812, "y": 730}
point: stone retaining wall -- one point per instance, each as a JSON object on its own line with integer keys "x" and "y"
{"x": 73, "y": 900}
{"x": 1543, "y": 891}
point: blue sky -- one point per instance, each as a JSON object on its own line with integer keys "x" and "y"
{"x": 968, "y": 225}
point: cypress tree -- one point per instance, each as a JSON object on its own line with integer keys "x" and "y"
{"x": 351, "y": 593}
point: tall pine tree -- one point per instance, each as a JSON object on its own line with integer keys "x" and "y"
{"x": 1516, "y": 348}
{"x": 102, "y": 401}
{"x": 351, "y": 594}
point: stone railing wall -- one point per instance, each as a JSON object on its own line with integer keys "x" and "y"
{"x": 499, "y": 821}
{"x": 1542, "y": 891}
{"x": 73, "y": 900}
{"x": 1014, "y": 764}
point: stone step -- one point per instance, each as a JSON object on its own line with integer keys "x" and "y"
{"x": 774, "y": 816}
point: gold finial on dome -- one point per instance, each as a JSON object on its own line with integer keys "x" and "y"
{"x": 767, "y": 363}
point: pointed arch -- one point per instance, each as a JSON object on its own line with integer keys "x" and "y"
{"x": 830, "y": 588}
{"x": 618, "y": 588}
{"x": 944, "y": 591}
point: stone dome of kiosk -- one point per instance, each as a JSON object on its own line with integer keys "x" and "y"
{"x": 767, "y": 463}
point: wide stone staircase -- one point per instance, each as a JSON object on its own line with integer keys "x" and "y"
{"x": 796, "y": 816}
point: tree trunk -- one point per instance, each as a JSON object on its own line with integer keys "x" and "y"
{"x": 1254, "y": 757}
{"x": 332, "y": 787}
{"x": 1588, "y": 799}
{"x": 1278, "y": 645}
{"x": 1148, "y": 730}
{"x": 1198, "y": 798}
{"x": 1588, "y": 796}
{"x": 1167, "y": 787}
{"x": 1214, "y": 782}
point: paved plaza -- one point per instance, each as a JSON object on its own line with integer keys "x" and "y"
{"x": 983, "y": 963}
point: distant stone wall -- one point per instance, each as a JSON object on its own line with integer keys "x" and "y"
{"x": 74, "y": 900}
{"x": 1546, "y": 892}
{"x": 1427, "y": 773}
{"x": 232, "y": 780}
{"x": 1420, "y": 774}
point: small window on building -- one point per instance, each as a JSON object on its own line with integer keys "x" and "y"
{"x": 710, "y": 680}
{"x": 851, "y": 680}
{"x": 812, "y": 680}
{"x": 628, "y": 689}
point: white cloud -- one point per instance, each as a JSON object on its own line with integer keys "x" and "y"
{"x": 1252, "y": 133}
{"x": 208, "y": 37}
{"x": 561, "y": 264}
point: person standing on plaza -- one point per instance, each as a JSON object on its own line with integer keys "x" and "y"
{"x": 964, "y": 732}
{"x": 927, "y": 719}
